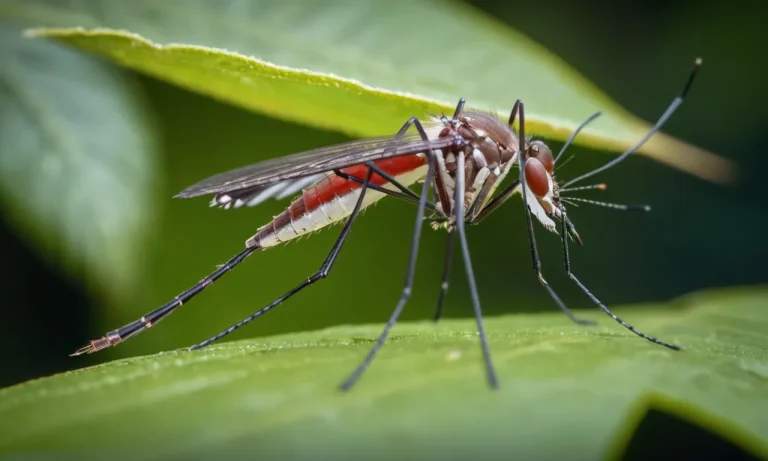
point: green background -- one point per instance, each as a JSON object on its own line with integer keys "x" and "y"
{"x": 698, "y": 235}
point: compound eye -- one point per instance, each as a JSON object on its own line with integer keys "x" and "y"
{"x": 542, "y": 152}
{"x": 537, "y": 177}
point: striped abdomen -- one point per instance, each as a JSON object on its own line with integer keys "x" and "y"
{"x": 333, "y": 198}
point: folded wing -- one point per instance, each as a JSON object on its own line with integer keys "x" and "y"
{"x": 248, "y": 183}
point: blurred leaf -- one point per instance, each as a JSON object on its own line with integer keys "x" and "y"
{"x": 565, "y": 390}
{"x": 361, "y": 68}
{"x": 76, "y": 158}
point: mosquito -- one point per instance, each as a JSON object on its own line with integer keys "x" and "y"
{"x": 459, "y": 160}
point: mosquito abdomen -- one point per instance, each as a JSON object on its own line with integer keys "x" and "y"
{"x": 333, "y": 198}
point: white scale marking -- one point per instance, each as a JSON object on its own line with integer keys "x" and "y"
{"x": 336, "y": 210}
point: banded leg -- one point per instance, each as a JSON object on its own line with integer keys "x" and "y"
{"x": 322, "y": 273}
{"x": 566, "y": 255}
{"x": 531, "y": 235}
{"x": 656, "y": 127}
{"x": 121, "y": 334}
{"x": 151, "y": 319}
{"x": 492, "y": 206}
{"x": 410, "y": 272}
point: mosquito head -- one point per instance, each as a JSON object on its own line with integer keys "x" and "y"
{"x": 539, "y": 167}
{"x": 539, "y": 178}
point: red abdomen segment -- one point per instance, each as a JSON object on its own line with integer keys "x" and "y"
{"x": 333, "y": 198}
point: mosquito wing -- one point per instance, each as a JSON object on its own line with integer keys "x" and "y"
{"x": 253, "y": 179}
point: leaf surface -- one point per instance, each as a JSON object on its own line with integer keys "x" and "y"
{"x": 564, "y": 389}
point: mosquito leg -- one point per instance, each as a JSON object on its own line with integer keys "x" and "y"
{"x": 405, "y": 193}
{"x": 151, "y": 319}
{"x": 413, "y": 121}
{"x": 459, "y": 108}
{"x": 493, "y": 380}
{"x": 322, "y": 273}
{"x": 602, "y": 306}
{"x": 446, "y": 274}
{"x": 430, "y": 205}
{"x": 392, "y": 181}
{"x": 496, "y": 202}
{"x": 411, "y": 269}
{"x": 513, "y": 112}
{"x": 115, "y": 337}
{"x": 531, "y": 235}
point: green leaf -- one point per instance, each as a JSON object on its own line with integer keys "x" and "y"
{"x": 76, "y": 158}
{"x": 564, "y": 389}
{"x": 665, "y": 428}
{"x": 361, "y": 68}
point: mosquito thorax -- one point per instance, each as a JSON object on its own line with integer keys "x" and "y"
{"x": 489, "y": 150}
{"x": 490, "y": 143}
